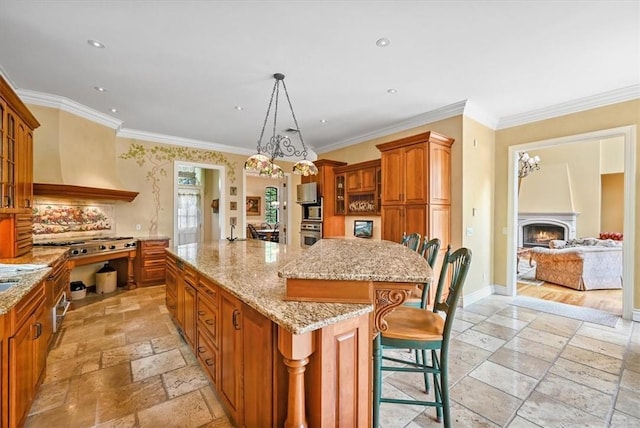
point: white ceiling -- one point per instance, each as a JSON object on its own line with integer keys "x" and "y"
{"x": 179, "y": 68}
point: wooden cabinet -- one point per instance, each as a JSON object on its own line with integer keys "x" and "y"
{"x": 27, "y": 353}
{"x": 16, "y": 173}
{"x": 190, "y": 313}
{"x": 340, "y": 207}
{"x": 172, "y": 286}
{"x": 231, "y": 355}
{"x": 332, "y": 221}
{"x": 235, "y": 345}
{"x": 416, "y": 188}
{"x": 361, "y": 189}
{"x": 56, "y": 285}
{"x": 149, "y": 265}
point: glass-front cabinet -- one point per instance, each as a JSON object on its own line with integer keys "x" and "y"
{"x": 357, "y": 188}
{"x": 340, "y": 195}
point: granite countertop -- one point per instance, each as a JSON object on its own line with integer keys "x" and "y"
{"x": 249, "y": 271}
{"x": 356, "y": 259}
{"x": 255, "y": 272}
{"x": 151, "y": 238}
{"x": 27, "y": 279}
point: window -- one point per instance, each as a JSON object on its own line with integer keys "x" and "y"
{"x": 271, "y": 205}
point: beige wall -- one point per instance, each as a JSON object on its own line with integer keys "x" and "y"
{"x": 612, "y": 116}
{"x": 612, "y": 212}
{"x": 568, "y": 181}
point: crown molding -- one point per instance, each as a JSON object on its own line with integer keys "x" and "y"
{"x": 441, "y": 113}
{"x": 70, "y": 106}
{"x": 179, "y": 141}
{"x": 598, "y": 100}
{"x": 7, "y": 79}
{"x": 473, "y": 111}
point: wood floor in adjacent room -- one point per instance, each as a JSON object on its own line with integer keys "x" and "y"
{"x": 604, "y": 300}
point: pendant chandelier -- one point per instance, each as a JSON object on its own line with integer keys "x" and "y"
{"x": 279, "y": 146}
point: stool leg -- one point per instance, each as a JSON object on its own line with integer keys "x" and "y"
{"x": 377, "y": 380}
{"x": 437, "y": 385}
{"x": 444, "y": 378}
{"x": 425, "y": 374}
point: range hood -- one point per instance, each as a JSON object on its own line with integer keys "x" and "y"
{"x": 75, "y": 192}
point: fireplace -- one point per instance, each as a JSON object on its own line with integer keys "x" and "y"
{"x": 537, "y": 229}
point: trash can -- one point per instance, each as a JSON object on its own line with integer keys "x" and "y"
{"x": 78, "y": 290}
{"x": 106, "y": 279}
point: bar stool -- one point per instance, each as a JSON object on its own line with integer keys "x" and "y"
{"x": 411, "y": 241}
{"x": 428, "y": 250}
{"x": 416, "y": 328}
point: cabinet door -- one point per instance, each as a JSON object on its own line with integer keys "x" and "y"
{"x": 180, "y": 297}
{"x": 258, "y": 335}
{"x": 392, "y": 222}
{"x": 439, "y": 174}
{"x": 231, "y": 355}
{"x": 24, "y": 167}
{"x": 392, "y": 177}
{"x": 8, "y": 176}
{"x": 190, "y": 313}
{"x": 415, "y": 171}
{"x": 415, "y": 219}
{"x": 21, "y": 364}
{"x": 40, "y": 345}
{"x": 368, "y": 179}
{"x": 340, "y": 200}
{"x": 353, "y": 181}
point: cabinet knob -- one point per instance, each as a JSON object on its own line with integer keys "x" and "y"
{"x": 201, "y": 349}
{"x": 210, "y": 322}
{"x": 201, "y": 313}
{"x": 236, "y": 323}
{"x": 209, "y": 362}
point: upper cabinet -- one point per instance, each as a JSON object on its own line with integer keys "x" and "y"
{"x": 416, "y": 186}
{"x": 358, "y": 188}
{"x": 16, "y": 173}
{"x": 16, "y": 152}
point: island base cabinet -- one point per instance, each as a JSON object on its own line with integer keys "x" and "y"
{"x": 337, "y": 379}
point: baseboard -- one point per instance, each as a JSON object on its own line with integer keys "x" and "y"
{"x": 471, "y": 298}
{"x": 635, "y": 315}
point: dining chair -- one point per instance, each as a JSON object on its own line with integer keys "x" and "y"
{"x": 252, "y": 230}
{"x": 416, "y": 328}
{"x": 411, "y": 241}
{"x": 275, "y": 236}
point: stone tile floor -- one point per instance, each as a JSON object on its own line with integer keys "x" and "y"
{"x": 119, "y": 362}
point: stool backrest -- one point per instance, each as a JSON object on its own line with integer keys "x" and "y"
{"x": 412, "y": 241}
{"x": 430, "y": 250}
{"x": 459, "y": 262}
{"x": 253, "y": 231}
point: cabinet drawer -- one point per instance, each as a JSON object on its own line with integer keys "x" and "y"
{"x": 155, "y": 262}
{"x": 209, "y": 290}
{"x": 190, "y": 276}
{"x": 208, "y": 355}
{"x": 208, "y": 318}
{"x": 153, "y": 251}
{"x": 151, "y": 274}
{"x": 170, "y": 279}
{"x": 26, "y": 307}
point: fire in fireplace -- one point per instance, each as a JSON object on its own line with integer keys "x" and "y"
{"x": 539, "y": 234}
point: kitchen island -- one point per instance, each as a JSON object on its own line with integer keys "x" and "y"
{"x": 279, "y": 362}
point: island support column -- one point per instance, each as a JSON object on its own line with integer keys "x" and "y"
{"x": 296, "y": 349}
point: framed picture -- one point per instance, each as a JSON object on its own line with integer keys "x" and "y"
{"x": 215, "y": 205}
{"x": 233, "y": 205}
{"x": 233, "y": 190}
{"x": 253, "y": 205}
{"x": 363, "y": 228}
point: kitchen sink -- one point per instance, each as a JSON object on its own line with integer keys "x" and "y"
{"x": 7, "y": 283}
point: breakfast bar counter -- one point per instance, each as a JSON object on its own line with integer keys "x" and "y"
{"x": 276, "y": 360}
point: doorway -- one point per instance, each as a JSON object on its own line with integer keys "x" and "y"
{"x": 199, "y": 202}
{"x": 628, "y": 135}
{"x": 267, "y": 206}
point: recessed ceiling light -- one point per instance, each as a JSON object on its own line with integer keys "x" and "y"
{"x": 114, "y": 110}
{"x": 99, "y": 89}
{"x": 392, "y": 90}
{"x": 95, "y": 43}
{"x": 323, "y": 120}
{"x": 382, "y": 42}
{"x": 239, "y": 108}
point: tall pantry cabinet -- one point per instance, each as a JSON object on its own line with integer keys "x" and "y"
{"x": 16, "y": 173}
{"x": 416, "y": 187}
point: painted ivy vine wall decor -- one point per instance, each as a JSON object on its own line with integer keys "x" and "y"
{"x": 162, "y": 157}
